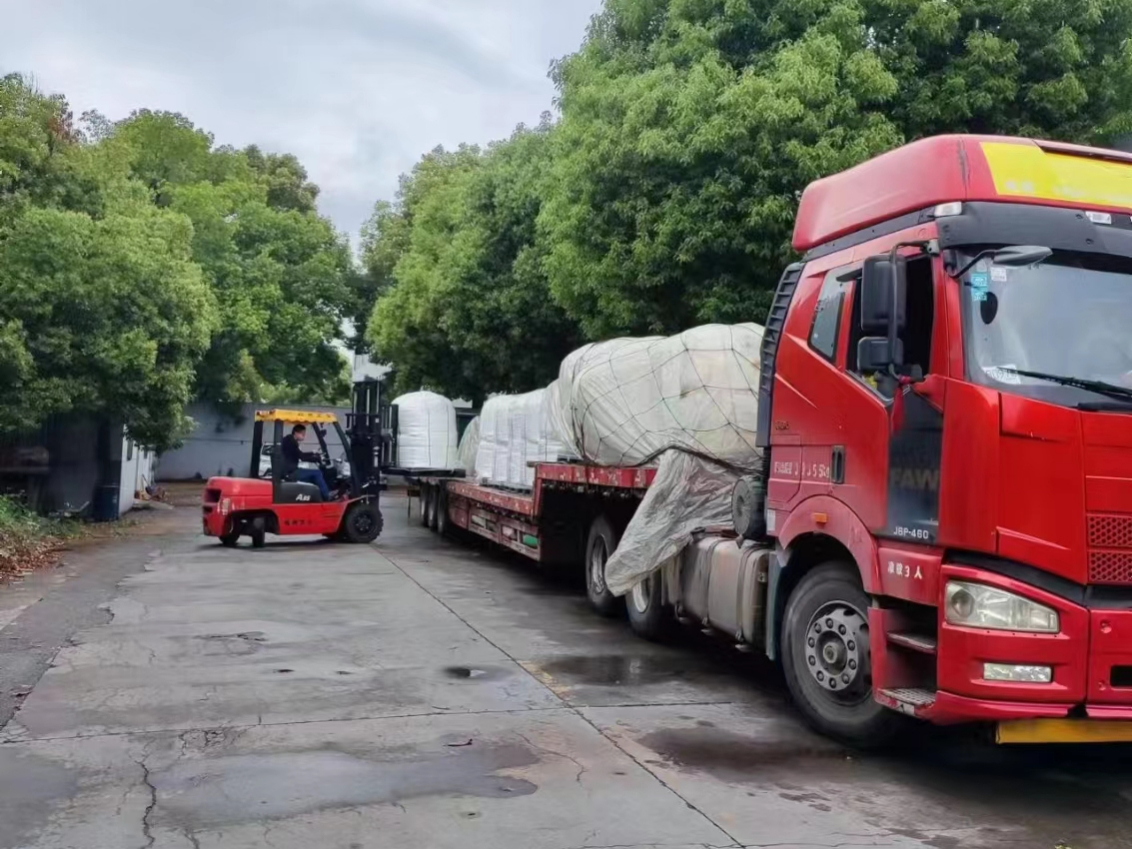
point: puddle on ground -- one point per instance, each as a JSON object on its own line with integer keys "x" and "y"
{"x": 736, "y": 756}
{"x": 627, "y": 670}
{"x": 215, "y": 792}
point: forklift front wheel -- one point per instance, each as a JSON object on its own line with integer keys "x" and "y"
{"x": 363, "y": 523}
{"x": 230, "y": 540}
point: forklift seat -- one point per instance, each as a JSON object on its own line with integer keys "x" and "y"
{"x": 291, "y": 492}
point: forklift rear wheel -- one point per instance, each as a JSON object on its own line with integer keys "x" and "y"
{"x": 363, "y": 523}
{"x": 230, "y": 540}
{"x": 645, "y": 606}
{"x": 601, "y": 544}
{"x": 826, "y": 661}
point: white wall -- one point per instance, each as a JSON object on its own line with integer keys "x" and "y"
{"x": 135, "y": 475}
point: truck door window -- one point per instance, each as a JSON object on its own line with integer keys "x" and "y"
{"x": 827, "y": 316}
{"x": 917, "y": 334}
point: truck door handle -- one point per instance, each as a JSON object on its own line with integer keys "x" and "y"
{"x": 837, "y": 465}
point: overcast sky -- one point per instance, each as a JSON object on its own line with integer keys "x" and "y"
{"x": 358, "y": 89}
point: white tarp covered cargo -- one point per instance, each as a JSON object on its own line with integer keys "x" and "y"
{"x": 514, "y": 432}
{"x": 687, "y": 404}
{"x": 426, "y": 431}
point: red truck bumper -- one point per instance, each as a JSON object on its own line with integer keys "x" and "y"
{"x": 1088, "y": 697}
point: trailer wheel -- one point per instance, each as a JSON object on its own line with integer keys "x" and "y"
{"x": 433, "y": 504}
{"x": 601, "y": 544}
{"x": 422, "y": 497}
{"x": 363, "y": 523}
{"x": 645, "y": 606}
{"x": 443, "y": 526}
{"x": 825, "y": 657}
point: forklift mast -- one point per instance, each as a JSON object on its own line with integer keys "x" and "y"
{"x": 373, "y": 429}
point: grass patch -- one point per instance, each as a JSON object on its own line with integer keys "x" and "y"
{"x": 28, "y": 541}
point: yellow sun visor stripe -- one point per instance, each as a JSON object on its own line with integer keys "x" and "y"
{"x": 1027, "y": 171}
{"x": 295, "y": 417}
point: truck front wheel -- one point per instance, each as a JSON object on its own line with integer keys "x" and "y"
{"x": 601, "y": 544}
{"x": 825, "y": 657}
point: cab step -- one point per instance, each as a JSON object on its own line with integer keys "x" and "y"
{"x": 910, "y": 700}
{"x": 916, "y": 642}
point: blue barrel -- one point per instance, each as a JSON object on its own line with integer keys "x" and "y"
{"x": 105, "y": 505}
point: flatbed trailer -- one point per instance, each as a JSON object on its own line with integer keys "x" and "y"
{"x": 548, "y": 524}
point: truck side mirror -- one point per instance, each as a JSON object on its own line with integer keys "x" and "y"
{"x": 873, "y": 355}
{"x": 884, "y": 279}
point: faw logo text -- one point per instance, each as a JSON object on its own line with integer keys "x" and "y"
{"x": 920, "y": 479}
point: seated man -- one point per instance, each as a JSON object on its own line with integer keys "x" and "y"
{"x": 293, "y": 455}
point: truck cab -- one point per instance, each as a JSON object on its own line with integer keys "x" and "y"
{"x": 946, "y": 418}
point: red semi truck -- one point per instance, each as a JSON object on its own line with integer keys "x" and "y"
{"x": 943, "y": 527}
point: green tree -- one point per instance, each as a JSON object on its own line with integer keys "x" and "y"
{"x": 279, "y": 271}
{"x": 690, "y": 127}
{"x": 102, "y": 310}
{"x": 469, "y": 309}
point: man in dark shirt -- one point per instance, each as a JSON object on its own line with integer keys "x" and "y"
{"x": 293, "y": 455}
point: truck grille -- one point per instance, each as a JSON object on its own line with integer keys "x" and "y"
{"x": 1110, "y": 531}
{"x": 1110, "y": 549}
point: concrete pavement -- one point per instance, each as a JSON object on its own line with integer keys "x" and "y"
{"x": 421, "y": 693}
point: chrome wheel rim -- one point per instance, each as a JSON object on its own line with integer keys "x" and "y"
{"x": 837, "y": 651}
{"x": 641, "y": 596}
{"x": 598, "y": 556}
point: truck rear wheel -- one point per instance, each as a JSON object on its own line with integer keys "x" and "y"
{"x": 442, "y": 524}
{"x": 433, "y": 503}
{"x": 601, "y": 544}
{"x": 825, "y": 657}
{"x": 645, "y": 605}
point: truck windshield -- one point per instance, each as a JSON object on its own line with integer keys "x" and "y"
{"x": 1064, "y": 324}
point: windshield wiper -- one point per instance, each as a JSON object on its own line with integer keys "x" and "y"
{"x": 1109, "y": 390}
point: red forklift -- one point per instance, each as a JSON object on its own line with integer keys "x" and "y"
{"x": 254, "y": 507}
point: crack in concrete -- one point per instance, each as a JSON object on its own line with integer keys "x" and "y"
{"x": 582, "y": 769}
{"x": 147, "y": 826}
{"x": 565, "y": 705}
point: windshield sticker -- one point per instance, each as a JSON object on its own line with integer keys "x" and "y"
{"x": 998, "y": 274}
{"x": 979, "y": 285}
{"x": 1003, "y": 374}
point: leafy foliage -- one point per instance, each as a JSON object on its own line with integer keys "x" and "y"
{"x": 469, "y": 307}
{"x": 665, "y": 195}
{"x": 141, "y": 265}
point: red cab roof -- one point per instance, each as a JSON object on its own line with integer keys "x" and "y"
{"x": 941, "y": 169}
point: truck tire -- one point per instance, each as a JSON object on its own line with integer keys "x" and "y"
{"x": 443, "y": 526}
{"x": 433, "y": 507}
{"x": 363, "y": 523}
{"x": 423, "y": 499}
{"x": 825, "y": 657}
{"x": 648, "y": 616}
{"x": 601, "y": 544}
{"x": 748, "y": 508}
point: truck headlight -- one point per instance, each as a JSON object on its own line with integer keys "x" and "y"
{"x": 981, "y": 606}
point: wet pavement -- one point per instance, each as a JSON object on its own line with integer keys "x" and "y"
{"x": 424, "y": 693}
